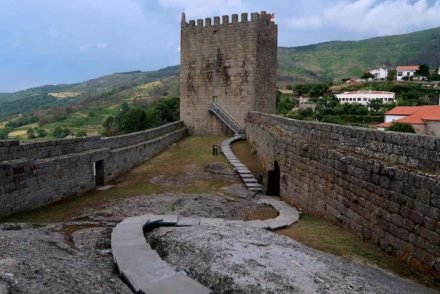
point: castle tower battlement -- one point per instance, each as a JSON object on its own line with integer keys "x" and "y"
{"x": 209, "y": 22}
{"x": 231, "y": 61}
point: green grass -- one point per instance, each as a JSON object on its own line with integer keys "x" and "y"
{"x": 243, "y": 150}
{"x": 187, "y": 156}
{"x": 328, "y": 237}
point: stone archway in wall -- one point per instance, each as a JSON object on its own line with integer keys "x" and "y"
{"x": 274, "y": 180}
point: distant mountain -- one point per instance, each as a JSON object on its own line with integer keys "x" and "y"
{"x": 331, "y": 61}
{"x": 343, "y": 59}
{"x": 58, "y": 95}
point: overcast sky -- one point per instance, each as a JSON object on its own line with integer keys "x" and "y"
{"x": 66, "y": 41}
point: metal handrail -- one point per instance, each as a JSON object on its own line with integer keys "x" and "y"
{"x": 225, "y": 117}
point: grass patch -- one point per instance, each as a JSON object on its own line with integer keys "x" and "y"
{"x": 328, "y": 237}
{"x": 243, "y": 150}
{"x": 188, "y": 156}
{"x": 64, "y": 95}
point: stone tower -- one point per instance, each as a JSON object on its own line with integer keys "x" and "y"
{"x": 232, "y": 63}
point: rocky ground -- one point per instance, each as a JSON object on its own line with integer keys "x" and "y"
{"x": 39, "y": 260}
{"x": 75, "y": 256}
{"x": 240, "y": 259}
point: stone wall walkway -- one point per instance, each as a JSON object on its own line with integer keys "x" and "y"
{"x": 246, "y": 175}
{"x": 146, "y": 272}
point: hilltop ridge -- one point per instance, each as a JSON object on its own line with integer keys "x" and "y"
{"x": 323, "y": 62}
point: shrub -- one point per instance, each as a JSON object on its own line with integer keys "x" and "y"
{"x": 3, "y": 134}
{"x": 60, "y": 133}
{"x": 81, "y": 134}
{"x": 41, "y": 133}
{"x": 31, "y": 133}
{"x": 401, "y": 127}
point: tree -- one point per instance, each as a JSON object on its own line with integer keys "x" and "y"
{"x": 109, "y": 126}
{"x": 57, "y": 132}
{"x": 285, "y": 104}
{"x": 60, "y": 133}
{"x": 435, "y": 76}
{"x": 375, "y": 105}
{"x": 31, "y": 133}
{"x": 124, "y": 107}
{"x": 392, "y": 74}
{"x": 168, "y": 109}
{"x": 3, "y": 134}
{"x": 134, "y": 120}
{"x": 401, "y": 127}
{"x": 367, "y": 76}
{"x": 423, "y": 70}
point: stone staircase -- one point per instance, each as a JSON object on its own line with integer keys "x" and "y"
{"x": 245, "y": 174}
{"x": 225, "y": 117}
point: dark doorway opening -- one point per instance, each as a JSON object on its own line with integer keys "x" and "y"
{"x": 99, "y": 173}
{"x": 273, "y": 181}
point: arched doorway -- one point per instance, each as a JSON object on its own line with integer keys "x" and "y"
{"x": 273, "y": 180}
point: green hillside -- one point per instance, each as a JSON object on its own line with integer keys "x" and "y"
{"x": 84, "y": 106}
{"x": 333, "y": 61}
{"x": 58, "y": 95}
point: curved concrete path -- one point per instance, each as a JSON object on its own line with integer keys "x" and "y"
{"x": 146, "y": 272}
{"x": 246, "y": 175}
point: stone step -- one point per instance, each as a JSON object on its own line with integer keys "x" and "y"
{"x": 177, "y": 284}
{"x": 167, "y": 219}
{"x": 250, "y": 181}
{"x": 188, "y": 221}
{"x": 253, "y": 185}
{"x": 211, "y": 221}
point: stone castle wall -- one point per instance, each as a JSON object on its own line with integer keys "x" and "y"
{"x": 383, "y": 186}
{"x": 232, "y": 63}
{"x": 36, "y": 174}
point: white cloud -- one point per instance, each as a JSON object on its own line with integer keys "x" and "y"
{"x": 387, "y": 17}
{"x": 375, "y": 17}
{"x": 306, "y": 22}
{"x": 203, "y": 8}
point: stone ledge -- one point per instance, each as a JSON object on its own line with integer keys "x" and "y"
{"x": 143, "y": 268}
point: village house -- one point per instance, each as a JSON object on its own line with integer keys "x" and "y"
{"x": 363, "y": 97}
{"x": 406, "y": 71}
{"x": 380, "y": 73}
{"x": 424, "y": 119}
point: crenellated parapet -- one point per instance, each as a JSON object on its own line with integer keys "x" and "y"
{"x": 225, "y": 20}
{"x": 230, "y": 61}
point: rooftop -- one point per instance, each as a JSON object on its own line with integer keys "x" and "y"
{"x": 366, "y": 92}
{"x": 416, "y": 114}
{"x": 403, "y": 110}
{"x": 407, "y": 67}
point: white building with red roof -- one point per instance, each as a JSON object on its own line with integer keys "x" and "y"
{"x": 424, "y": 119}
{"x": 363, "y": 97}
{"x": 406, "y": 71}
